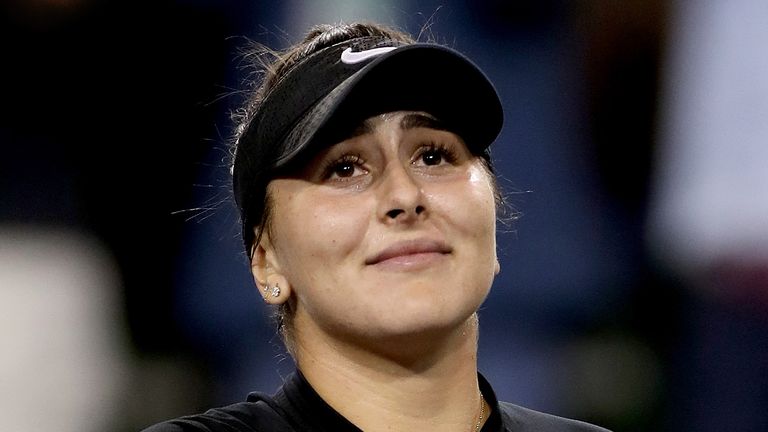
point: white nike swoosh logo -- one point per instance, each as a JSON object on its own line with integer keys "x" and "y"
{"x": 350, "y": 57}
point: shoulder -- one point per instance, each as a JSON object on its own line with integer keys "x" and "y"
{"x": 522, "y": 419}
{"x": 252, "y": 416}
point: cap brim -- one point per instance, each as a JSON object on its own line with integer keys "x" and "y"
{"x": 418, "y": 77}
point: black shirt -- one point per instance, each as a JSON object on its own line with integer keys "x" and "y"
{"x": 297, "y": 407}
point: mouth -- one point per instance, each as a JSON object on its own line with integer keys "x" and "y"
{"x": 410, "y": 253}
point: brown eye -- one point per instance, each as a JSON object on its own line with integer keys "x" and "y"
{"x": 432, "y": 157}
{"x": 435, "y": 155}
{"x": 344, "y": 169}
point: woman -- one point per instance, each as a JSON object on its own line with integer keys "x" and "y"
{"x": 368, "y": 204}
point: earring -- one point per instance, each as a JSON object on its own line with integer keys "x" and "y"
{"x": 276, "y": 291}
{"x": 266, "y": 288}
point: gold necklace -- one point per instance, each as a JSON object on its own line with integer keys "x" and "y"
{"x": 482, "y": 411}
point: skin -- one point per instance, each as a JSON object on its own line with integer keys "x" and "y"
{"x": 385, "y": 242}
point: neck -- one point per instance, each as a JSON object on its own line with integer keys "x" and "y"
{"x": 428, "y": 382}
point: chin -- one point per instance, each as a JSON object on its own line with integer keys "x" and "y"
{"x": 418, "y": 322}
{"x": 414, "y": 343}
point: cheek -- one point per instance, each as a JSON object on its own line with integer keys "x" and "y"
{"x": 313, "y": 231}
{"x": 469, "y": 205}
{"x": 468, "y": 210}
{"x": 339, "y": 225}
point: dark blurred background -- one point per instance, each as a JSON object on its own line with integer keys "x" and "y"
{"x": 633, "y": 291}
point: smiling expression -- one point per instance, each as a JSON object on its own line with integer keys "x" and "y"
{"x": 389, "y": 232}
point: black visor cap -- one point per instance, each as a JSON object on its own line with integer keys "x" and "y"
{"x": 328, "y": 98}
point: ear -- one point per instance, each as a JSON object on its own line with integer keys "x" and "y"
{"x": 272, "y": 284}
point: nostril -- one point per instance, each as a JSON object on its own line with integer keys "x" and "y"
{"x": 395, "y": 213}
{"x": 419, "y": 209}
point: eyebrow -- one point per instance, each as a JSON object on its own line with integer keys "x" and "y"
{"x": 421, "y": 120}
{"x": 362, "y": 129}
{"x": 409, "y": 121}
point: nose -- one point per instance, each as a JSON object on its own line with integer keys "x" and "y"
{"x": 401, "y": 196}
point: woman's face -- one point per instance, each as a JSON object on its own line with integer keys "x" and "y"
{"x": 388, "y": 233}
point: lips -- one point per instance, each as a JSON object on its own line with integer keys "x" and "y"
{"x": 408, "y": 248}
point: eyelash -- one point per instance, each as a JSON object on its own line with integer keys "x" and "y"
{"x": 448, "y": 156}
{"x": 331, "y": 167}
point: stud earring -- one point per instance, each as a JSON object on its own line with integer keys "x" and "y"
{"x": 266, "y": 288}
{"x": 276, "y": 291}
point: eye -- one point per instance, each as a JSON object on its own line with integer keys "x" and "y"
{"x": 347, "y": 166}
{"x": 434, "y": 154}
{"x": 432, "y": 157}
{"x": 344, "y": 169}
